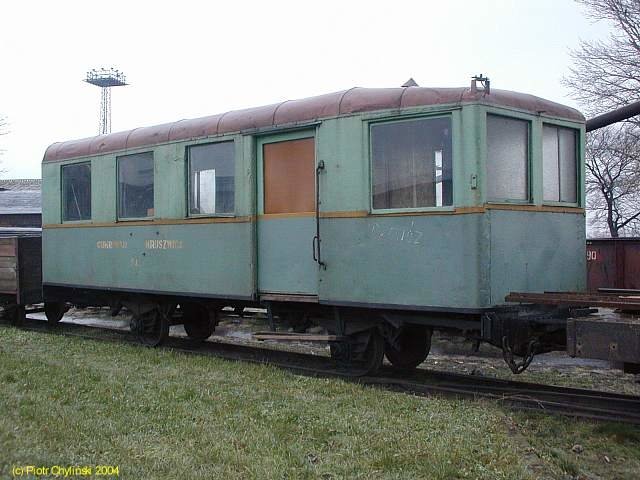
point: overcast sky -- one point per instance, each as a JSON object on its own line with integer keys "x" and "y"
{"x": 187, "y": 59}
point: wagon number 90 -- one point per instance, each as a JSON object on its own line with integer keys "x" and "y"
{"x": 592, "y": 255}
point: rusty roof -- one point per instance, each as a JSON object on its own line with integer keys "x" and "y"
{"x": 290, "y": 112}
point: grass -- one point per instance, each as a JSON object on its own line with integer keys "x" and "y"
{"x": 608, "y": 450}
{"x": 162, "y": 414}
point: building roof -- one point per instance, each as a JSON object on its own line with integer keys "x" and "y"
{"x": 21, "y": 184}
{"x": 291, "y": 112}
{"x": 20, "y": 231}
{"x": 20, "y": 196}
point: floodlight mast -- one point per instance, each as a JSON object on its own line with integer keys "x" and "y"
{"x": 105, "y": 79}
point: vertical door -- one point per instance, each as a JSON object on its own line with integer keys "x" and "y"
{"x": 286, "y": 215}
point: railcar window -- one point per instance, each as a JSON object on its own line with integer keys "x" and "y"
{"x": 412, "y": 164}
{"x": 507, "y": 158}
{"x": 76, "y": 192}
{"x": 135, "y": 185}
{"x": 559, "y": 163}
{"x": 211, "y": 178}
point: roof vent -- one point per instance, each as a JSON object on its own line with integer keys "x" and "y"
{"x": 485, "y": 83}
{"x": 410, "y": 83}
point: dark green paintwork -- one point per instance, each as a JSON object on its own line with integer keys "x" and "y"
{"x": 535, "y": 252}
{"x": 213, "y": 258}
{"x": 285, "y": 256}
{"x": 403, "y": 260}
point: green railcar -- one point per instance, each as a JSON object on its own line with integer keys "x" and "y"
{"x": 377, "y": 213}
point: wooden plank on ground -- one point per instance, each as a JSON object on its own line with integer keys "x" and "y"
{"x": 297, "y": 337}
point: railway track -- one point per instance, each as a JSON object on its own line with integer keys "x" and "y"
{"x": 574, "y": 402}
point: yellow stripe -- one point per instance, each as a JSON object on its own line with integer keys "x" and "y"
{"x": 268, "y": 216}
{"x": 353, "y": 214}
{"x": 338, "y": 214}
{"x": 364, "y": 213}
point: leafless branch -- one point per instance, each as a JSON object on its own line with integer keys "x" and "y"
{"x": 4, "y": 129}
{"x": 613, "y": 179}
{"x": 605, "y": 75}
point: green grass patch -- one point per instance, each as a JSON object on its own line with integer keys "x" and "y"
{"x": 583, "y": 449}
{"x": 162, "y": 414}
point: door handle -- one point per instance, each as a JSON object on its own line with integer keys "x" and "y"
{"x": 316, "y": 240}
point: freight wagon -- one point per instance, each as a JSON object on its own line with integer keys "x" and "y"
{"x": 613, "y": 264}
{"x": 378, "y": 213}
{"x": 20, "y": 270}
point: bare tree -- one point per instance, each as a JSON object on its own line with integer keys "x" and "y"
{"x": 4, "y": 124}
{"x": 613, "y": 179}
{"x": 606, "y": 74}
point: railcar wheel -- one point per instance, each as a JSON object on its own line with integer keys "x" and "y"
{"x": 362, "y": 355}
{"x": 54, "y": 311}
{"x": 198, "y": 323}
{"x": 152, "y": 328}
{"x": 410, "y": 348}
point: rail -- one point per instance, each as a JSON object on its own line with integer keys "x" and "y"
{"x": 571, "y": 402}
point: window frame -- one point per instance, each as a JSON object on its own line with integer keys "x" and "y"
{"x": 579, "y": 162}
{"x": 135, "y": 219}
{"x": 187, "y": 157}
{"x": 511, "y": 115}
{"x": 448, "y": 113}
{"x": 72, "y": 164}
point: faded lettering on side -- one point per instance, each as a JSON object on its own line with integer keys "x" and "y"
{"x": 106, "y": 244}
{"x": 398, "y": 234}
{"x": 163, "y": 244}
